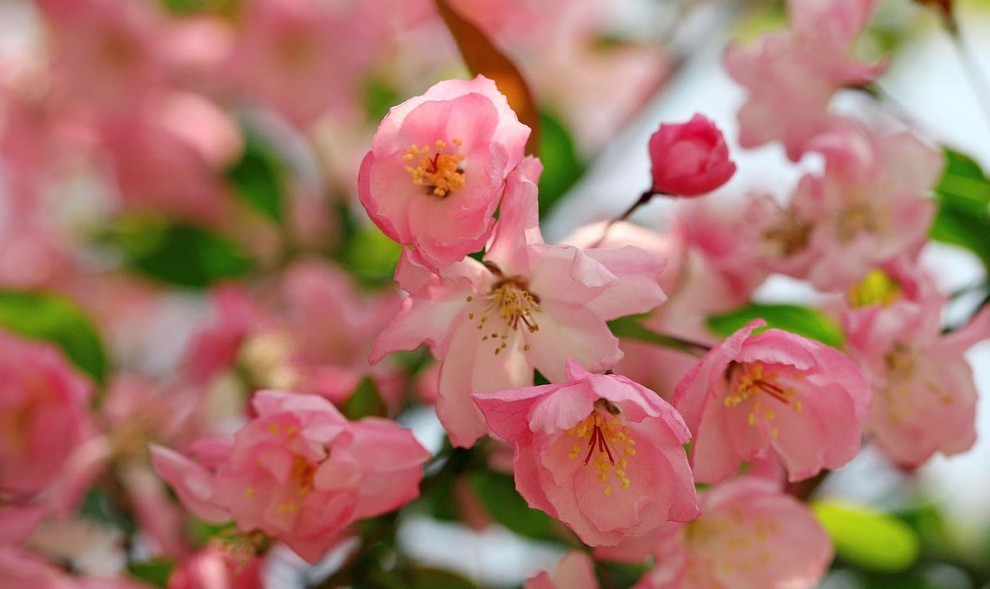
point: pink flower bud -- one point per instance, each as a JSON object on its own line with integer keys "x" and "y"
{"x": 689, "y": 159}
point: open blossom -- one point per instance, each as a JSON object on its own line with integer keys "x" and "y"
{"x": 299, "y": 472}
{"x": 689, "y": 159}
{"x": 601, "y": 453}
{"x": 791, "y": 76}
{"x": 575, "y": 571}
{"x": 529, "y": 305}
{"x": 924, "y": 397}
{"x": 749, "y": 536}
{"x": 772, "y": 392}
{"x": 43, "y": 414}
{"x": 870, "y": 206}
{"x": 437, "y": 168}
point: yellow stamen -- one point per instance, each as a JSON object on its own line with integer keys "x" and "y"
{"x": 435, "y": 168}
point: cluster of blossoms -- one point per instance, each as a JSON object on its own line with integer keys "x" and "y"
{"x": 267, "y": 423}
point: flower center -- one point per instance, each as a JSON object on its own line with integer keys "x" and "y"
{"x": 608, "y": 446}
{"x": 751, "y": 381}
{"x": 789, "y": 235}
{"x": 436, "y": 169}
{"x": 878, "y": 288}
{"x": 855, "y": 219}
{"x": 510, "y": 301}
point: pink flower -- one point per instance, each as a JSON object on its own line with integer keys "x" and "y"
{"x": 870, "y": 206}
{"x": 792, "y": 75}
{"x": 689, "y": 159}
{"x": 299, "y": 472}
{"x": 749, "y": 536}
{"x": 775, "y": 391}
{"x": 530, "y": 305}
{"x": 43, "y": 414}
{"x": 600, "y": 453}
{"x": 924, "y": 396}
{"x": 211, "y": 569}
{"x": 437, "y": 168}
{"x": 575, "y": 571}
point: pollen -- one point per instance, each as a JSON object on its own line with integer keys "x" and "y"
{"x": 878, "y": 288}
{"x": 752, "y": 381}
{"x": 607, "y": 448}
{"x": 512, "y": 308}
{"x": 435, "y": 168}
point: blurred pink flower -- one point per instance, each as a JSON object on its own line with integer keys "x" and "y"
{"x": 772, "y": 392}
{"x": 299, "y": 472}
{"x": 749, "y": 536}
{"x": 924, "y": 397}
{"x": 530, "y": 305}
{"x": 211, "y": 568}
{"x": 689, "y": 159}
{"x": 632, "y": 439}
{"x": 791, "y": 75}
{"x": 437, "y": 168}
{"x": 44, "y": 415}
{"x": 575, "y": 571}
{"x": 870, "y": 206}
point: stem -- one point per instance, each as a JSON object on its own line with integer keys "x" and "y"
{"x": 643, "y": 199}
{"x": 630, "y": 328}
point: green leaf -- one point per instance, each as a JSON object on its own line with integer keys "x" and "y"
{"x": 257, "y": 177}
{"x": 378, "y": 96}
{"x": 365, "y": 402}
{"x": 629, "y": 327}
{"x": 179, "y": 254}
{"x": 433, "y": 578}
{"x": 804, "y": 321}
{"x": 58, "y": 320}
{"x": 562, "y": 166}
{"x": 371, "y": 256}
{"x": 867, "y": 538}
{"x": 155, "y": 571}
{"x": 963, "y": 196}
{"x": 498, "y": 494}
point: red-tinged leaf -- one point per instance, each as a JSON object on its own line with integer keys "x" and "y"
{"x": 482, "y": 57}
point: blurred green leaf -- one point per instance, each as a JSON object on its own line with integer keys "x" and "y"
{"x": 963, "y": 195}
{"x": 371, "y": 256}
{"x": 433, "y": 578}
{"x": 257, "y": 177}
{"x": 866, "y": 538}
{"x": 629, "y": 327}
{"x": 505, "y": 505}
{"x": 178, "y": 253}
{"x": 804, "y": 321}
{"x": 99, "y": 506}
{"x": 365, "y": 402}
{"x": 58, "y": 320}
{"x": 562, "y": 167}
{"x": 155, "y": 572}
{"x": 378, "y": 96}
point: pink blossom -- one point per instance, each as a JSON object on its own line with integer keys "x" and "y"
{"x": 632, "y": 440}
{"x": 871, "y": 205}
{"x": 159, "y": 164}
{"x": 43, "y": 414}
{"x": 530, "y": 305}
{"x": 575, "y": 571}
{"x": 689, "y": 159}
{"x": 299, "y": 472}
{"x": 774, "y": 391}
{"x": 924, "y": 396}
{"x": 281, "y": 57}
{"x": 108, "y": 52}
{"x": 437, "y": 168}
{"x": 749, "y": 536}
{"x": 791, "y": 75}
{"x": 211, "y": 569}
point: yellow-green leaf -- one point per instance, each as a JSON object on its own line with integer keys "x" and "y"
{"x": 868, "y": 538}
